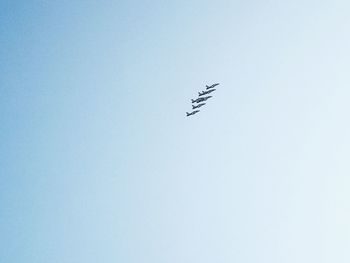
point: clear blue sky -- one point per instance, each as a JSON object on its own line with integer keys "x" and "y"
{"x": 98, "y": 162}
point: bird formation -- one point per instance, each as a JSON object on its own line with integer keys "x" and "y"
{"x": 199, "y": 102}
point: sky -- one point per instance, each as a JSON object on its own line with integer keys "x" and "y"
{"x": 98, "y": 162}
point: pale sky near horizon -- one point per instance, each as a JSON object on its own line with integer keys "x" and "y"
{"x": 98, "y": 162}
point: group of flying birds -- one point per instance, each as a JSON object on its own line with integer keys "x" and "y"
{"x": 201, "y": 98}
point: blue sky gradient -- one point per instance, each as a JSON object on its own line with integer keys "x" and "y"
{"x": 98, "y": 162}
